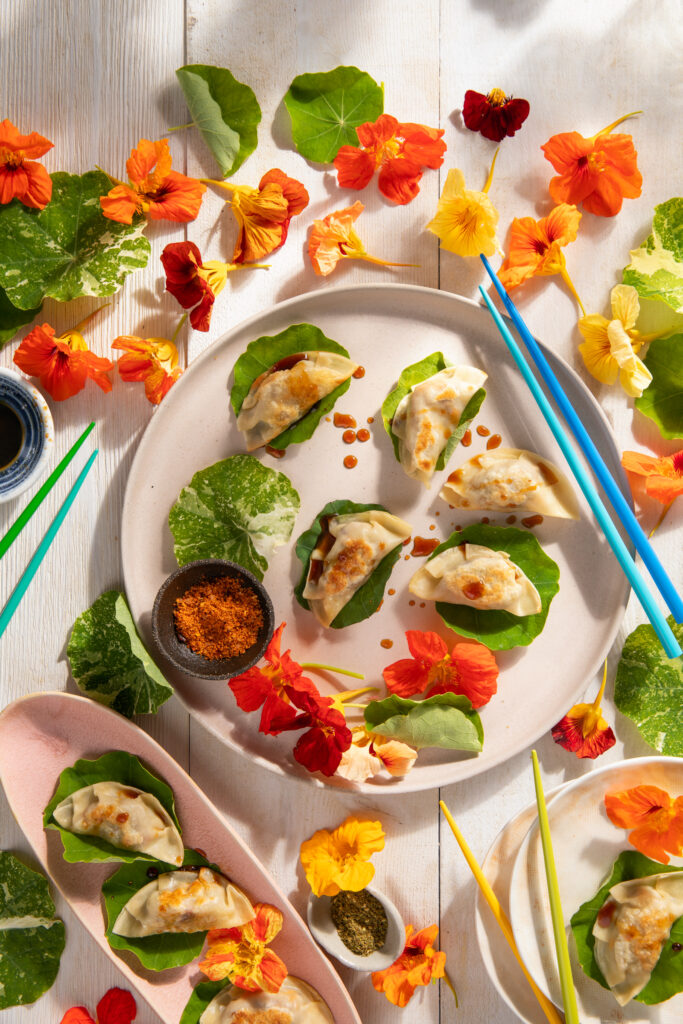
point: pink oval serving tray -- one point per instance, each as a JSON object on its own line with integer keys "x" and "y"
{"x": 43, "y": 733}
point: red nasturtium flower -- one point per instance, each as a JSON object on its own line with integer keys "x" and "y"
{"x": 599, "y": 172}
{"x": 327, "y": 735}
{"x": 469, "y": 669}
{"x": 195, "y": 283}
{"x": 333, "y": 239}
{"x": 583, "y": 730}
{"x": 62, "y": 365}
{"x": 494, "y": 114}
{"x": 656, "y": 820}
{"x": 536, "y": 248}
{"x": 116, "y": 1006}
{"x": 20, "y": 176}
{"x": 398, "y": 151}
{"x": 153, "y": 360}
{"x": 153, "y": 189}
{"x": 240, "y": 954}
{"x": 418, "y": 964}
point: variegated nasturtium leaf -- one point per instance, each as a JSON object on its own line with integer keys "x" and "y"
{"x": 656, "y": 267}
{"x": 31, "y": 937}
{"x": 225, "y": 111}
{"x": 662, "y": 400}
{"x": 69, "y": 249}
{"x": 649, "y": 688}
{"x": 237, "y": 509}
{"x": 446, "y": 720}
{"x": 327, "y": 107}
{"x": 12, "y": 318}
{"x": 109, "y": 661}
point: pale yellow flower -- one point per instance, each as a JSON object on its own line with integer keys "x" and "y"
{"x": 339, "y": 860}
{"x": 610, "y": 347}
{"x": 370, "y": 754}
{"x": 466, "y": 220}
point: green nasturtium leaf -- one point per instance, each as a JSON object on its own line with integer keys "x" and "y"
{"x": 69, "y": 249}
{"x": 202, "y": 994}
{"x": 649, "y": 688}
{"x": 662, "y": 400}
{"x": 236, "y": 509}
{"x": 501, "y": 630}
{"x": 110, "y": 663}
{"x": 446, "y": 720}
{"x": 667, "y": 975}
{"x": 31, "y": 937}
{"x": 367, "y": 598}
{"x": 327, "y": 107}
{"x": 225, "y": 111}
{"x": 12, "y": 318}
{"x": 264, "y": 352}
{"x": 656, "y": 268}
{"x": 116, "y": 766}
{"x": 155, "y": 952}
{"x": 415, "y": 374}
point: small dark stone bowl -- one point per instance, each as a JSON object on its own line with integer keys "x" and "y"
{"x": 176, "y": 651}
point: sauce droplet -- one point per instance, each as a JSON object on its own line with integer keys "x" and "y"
{"x": 422, "y": 604}
{"x": 386, "y": 644}
{"x": 391, "y": 592}
{"x": 483, "y": 431}
{"x": 466, "y": 439}
{"x": 152, "y": 873}
{"x": 359, "y": 372}
{"x": 473, "y": 590}
{"x": 363, "y": 434}
{"x": 341, "y": 419}
{"x": 676, "y": 947}
{"x": 406, "y": 541}
{"x": 437, "y": 513}
{"x": 511, "y": 519}
{"x": 484, "y": 519}
{"x": 406, "y": 557}
{"x": 411, "y": 603}
{"x": 458, "y": 528}
{"x": 424, "y": 546}
{"x": 349, "y": 436}
{"x": 493, "y": 441}
{"x": 350, "y": 461}
{"x": 371, "y": 419}
{"x": 531, "y": 521}
{"x": 606, "y": 913}
{"x": 277, "y": 453}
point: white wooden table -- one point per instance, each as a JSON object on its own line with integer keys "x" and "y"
{"x": 94, "y": 77}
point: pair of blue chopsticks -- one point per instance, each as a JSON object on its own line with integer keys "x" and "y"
{"x": 621, "y": 507}
{"x": 42, "y": 549}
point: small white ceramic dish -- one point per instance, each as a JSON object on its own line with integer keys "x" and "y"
{"x": 37, "y": 434}
{"x": 324, "y": 932}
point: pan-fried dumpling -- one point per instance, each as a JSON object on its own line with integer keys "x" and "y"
{"x": 348, "y": 551}
{"x": 184, "y": 901}
{"x": 286, "y": 392}
{"x": 295, "y": 1003}
{"x": 425, "y": 419}
{"x": 511, "y": 478}
{"x": 479, "y": 577}
{"x": 124, "y": 816}
{"x": 631, "y": 929}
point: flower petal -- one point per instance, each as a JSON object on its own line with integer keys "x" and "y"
{"x": 116, "y": 1006}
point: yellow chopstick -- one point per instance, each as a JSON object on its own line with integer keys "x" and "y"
{"x": 500, "y": 915}
{"x": 561, "y": 948}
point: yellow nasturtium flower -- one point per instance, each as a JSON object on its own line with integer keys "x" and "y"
{"x": 339, "y": 860}
{"x": 466, "y": 220}
{"x": 611, "y": 346}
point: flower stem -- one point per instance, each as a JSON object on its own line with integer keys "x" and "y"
{"x": 601, "y": 692}
{"x": 179, "y": 127}
{"x": 114, "y": 181}
{"x": 219, "y": 184}
{"x": 661, "y": 518}
{"x": 451, "y": 986}
{"x": 485, "y": 189}
{"x": 611, "y": 127}
{"x": 332, "y": 668}
{"x": 79, "y": 327}
{"x": 348, "y": 694}
{"x": 568, "y": 281}
{"x": 180, "y": 324}
{"x": 374, "y": 259}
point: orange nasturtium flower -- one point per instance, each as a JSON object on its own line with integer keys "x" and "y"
{"x": 610, "y": 347}
{"x": 333, "y": 239}
{"x": 656, "y": 820}
{"x": 398, "y": 151}
{"x": 62, "y": 365}
{"x": 418, "y": 964}
{"x": 536, "y": 248}
{"x": 116, "y": 1006}
{"x": 663, "y": 476}
{"x": 340, "y": 860}
{"x": 583, "y": 730}
{"x": 466, "y": 220}
{"x": 240, "y": 954}
{"x": 598, "y": 172}
{"x": 153, "y": 188}
{"x": 264, "y": 213}
{"x": 21, "y": 177}
{"x": 153, "y": 360}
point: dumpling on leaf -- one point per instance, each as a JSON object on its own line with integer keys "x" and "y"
{"x": 349, "y": 550}
{"x": 426, "y": 418}
{"x": 287, "y": 390}
{"x": 124, "y": 816}
{"x": 184, "y": 901}
{"x": 632, "y": 928}
{"x": 511, "y": 478}
{"x": 294, "y": 1003}
{"x": 479, "y": 577}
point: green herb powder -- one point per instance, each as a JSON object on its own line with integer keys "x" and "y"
{"x": 360, "y": 920}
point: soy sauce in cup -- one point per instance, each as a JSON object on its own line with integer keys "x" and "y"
{"x": 11, "y": 435}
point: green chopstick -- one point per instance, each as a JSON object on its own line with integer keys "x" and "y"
{"x": 561, "y": 948}
{"x": 32, "y": 567}
{"x": 21, "y": 521}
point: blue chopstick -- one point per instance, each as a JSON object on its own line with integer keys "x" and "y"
{"x": 659, "y": 623}
{"x": 663, "y": 582}
{"x": 32, "y": 567}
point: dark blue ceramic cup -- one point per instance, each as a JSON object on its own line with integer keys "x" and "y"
{"x": 27, "y": 438}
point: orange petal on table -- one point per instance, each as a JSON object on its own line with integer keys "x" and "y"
{"x": 77, "y": 1015}
{"x": 634, "y": 806}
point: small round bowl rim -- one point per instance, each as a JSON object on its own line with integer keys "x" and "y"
{"x": 330, "y": 941}
{"x": 40, "y": 402}
{"x": 205, "y": 668}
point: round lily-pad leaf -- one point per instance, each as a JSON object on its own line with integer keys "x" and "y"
{"x": 264, "y": 352}
{"x": 116, "y": 766}
{"x": 497, "y": 629}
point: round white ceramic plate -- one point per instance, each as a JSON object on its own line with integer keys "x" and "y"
{"x": 586, "y": 844}
{"x": 385, "y": 328}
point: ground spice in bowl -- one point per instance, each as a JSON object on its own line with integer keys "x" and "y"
{"x": 218, "y": 618}
{"x": 360, "y": 920}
